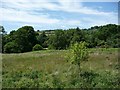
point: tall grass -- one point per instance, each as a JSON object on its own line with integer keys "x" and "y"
{"x": 50, "y": 69}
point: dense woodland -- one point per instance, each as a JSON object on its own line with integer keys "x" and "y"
{"x": 26, "y": 39}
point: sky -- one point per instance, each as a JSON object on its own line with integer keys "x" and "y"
{"x": 57, "y": 14}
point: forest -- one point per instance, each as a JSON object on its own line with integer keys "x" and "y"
{"x": 26, "y": 39}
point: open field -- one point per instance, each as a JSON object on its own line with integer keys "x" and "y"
{"x": 49, "y": 68}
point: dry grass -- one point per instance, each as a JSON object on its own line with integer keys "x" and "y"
{"x": 55, "y": 68}
{"x": 52, "y": 60}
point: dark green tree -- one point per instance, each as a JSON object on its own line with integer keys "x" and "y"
{"x": 42, "y": 39}
{"x": 58, "y": 40}
{"x": 11, "y": 47}
{"x": 77, "y": 36}
{"x": 2, "y": 30}
{"x": 26, "y": 38}
{"x": 2, "y": 38}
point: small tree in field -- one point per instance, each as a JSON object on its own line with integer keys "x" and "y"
{"x": 78, "y": 53}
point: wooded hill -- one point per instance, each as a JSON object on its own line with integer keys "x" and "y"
{"x": 26, "y": 38}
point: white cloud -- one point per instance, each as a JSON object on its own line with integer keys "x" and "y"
{"x": 75, "y": 7}
{"x": 64, "y": 5}
{"x": 22, "y": 16}
{"x": 25, "y": 11}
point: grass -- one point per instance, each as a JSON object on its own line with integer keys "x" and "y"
{"x": 34, "y": 60}
{"x": 52, "y": 63}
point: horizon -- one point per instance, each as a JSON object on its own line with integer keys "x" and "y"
{"x": 60, "y": 28}
{"x": 57, "y": 15}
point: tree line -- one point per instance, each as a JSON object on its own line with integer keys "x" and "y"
{"x": 26, "y": 39}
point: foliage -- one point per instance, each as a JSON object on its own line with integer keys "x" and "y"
{"x": 11, "y": 47}
{"x": 78, "y": 53}
{"x": 49, "y": 69}
{"x": 77, "y": 36}
{"x": 51, "y": 47}
{"x": 42, "y": 38}
{"x": 58, "y": 41}
{"x": 40, "y": 79}
{"x": 2, "y": 30}
{"x": 98, "y": 36}
{"x": 37, "y": 47}
{"x": 24, "y": 37}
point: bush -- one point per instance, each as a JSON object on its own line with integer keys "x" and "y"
{"x": 25, "y": 83}
{"x": 42, "y": 79}
{"x": 37, "y": 47}
{"x": 78, "y": 53}
{"x": 11, "y": 47}
{"x": 51, "y": 47}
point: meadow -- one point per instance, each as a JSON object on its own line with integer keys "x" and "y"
{"x": 50, "y": 69}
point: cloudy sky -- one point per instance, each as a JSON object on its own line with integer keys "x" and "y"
{"x": 53, "y": 14}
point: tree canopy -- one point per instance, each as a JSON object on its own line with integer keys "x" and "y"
{"x": 26, "y": 37}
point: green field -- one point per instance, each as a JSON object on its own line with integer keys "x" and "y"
{"x": 50, "y": 69}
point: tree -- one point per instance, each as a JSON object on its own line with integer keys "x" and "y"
{"x": 42, "y": 38}
{"x": 11, "y": 47}
{"x": 58, "y": 40}
{"x": 2, "y": 30}
{"x": 25, "y": 38}
{"x": 77, "y": 36}
{"x": 78, "y": 53}
{"x": 2, "y": 38}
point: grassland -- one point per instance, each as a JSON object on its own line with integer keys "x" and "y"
{"x": 49, "y": 68}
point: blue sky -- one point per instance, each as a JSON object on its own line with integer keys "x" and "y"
{"x": 62, "y": 14}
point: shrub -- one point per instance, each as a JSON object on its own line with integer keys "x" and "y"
{"x": 78, "y": 53}
{"x": 37, "y": 47}
{"x": 25, "y": 83}
{"x": 41, "y": 79}
{"x": 11, "y": 47}
{"x": 51, "y": 47}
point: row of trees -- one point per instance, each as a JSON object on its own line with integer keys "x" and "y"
{"x": 102, "y": 36}
{"x": 25, "y": 38}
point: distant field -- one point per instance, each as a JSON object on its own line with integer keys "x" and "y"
{"x": 53, "y": 62}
